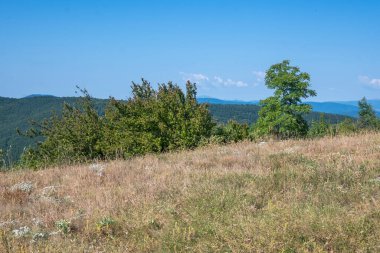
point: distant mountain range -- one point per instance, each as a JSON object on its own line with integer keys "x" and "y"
{"x": 347, "y": 108}
{"x": 38, "y": 95}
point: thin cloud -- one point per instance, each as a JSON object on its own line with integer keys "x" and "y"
{"x": 194, "y": 77}
{"x": 216, "y": 81}
{"x": 371, "y": 82}
{"x": 259, "y": 77}
{"x": 229, "y": 82}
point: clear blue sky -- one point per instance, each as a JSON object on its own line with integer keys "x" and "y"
{"x": 49, "y": 46}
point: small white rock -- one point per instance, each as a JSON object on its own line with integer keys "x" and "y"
{"x": 23, "y": 186}
{"x": 20, "y": 232}
{"x": 98, "y": 169}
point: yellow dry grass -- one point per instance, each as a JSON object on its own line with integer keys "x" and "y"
{"x": 292, "y": 196}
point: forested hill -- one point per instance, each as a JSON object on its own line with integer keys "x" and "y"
{"x": 16, "y": 114}
{"x": 347, "y": 108}
{"x": 248, "y": 113}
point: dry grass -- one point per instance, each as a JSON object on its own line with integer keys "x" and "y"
{"x": 291, "y": 196}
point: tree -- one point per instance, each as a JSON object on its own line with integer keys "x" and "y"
{"x": 367, "y": 116}
{"x": 281, "y": 114}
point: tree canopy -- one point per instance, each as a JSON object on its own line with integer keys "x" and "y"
{"x": 281, "y": 114}
{"x": 367, "y": 116}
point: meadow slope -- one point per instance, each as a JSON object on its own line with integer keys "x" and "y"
{"x": 291, "y": 196}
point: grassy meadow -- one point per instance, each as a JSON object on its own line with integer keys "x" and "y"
{"x": 291, "y": 196}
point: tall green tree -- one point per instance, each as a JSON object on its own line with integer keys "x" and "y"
{"x": 367, "y": 116}
{"x": 281, "y": 114}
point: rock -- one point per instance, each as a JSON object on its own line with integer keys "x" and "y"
{"x": 39, "y": 236}
{"x": 21, "y": 232}
{"x": 98, "y": 169}
{"x": 23, "y": 186}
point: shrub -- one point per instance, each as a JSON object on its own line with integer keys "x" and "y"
{"x": 320, "y": 128}
{"x": 347, "y": 127}
{"x": 151, "y": 121}
{"x": 63, "y": 226}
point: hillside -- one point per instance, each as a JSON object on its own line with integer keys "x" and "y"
{"x": 292, "y": 196}
{"x": 17, "y": 113}
{"x": 248, "y": 113}
{"x": 347, "y": 108}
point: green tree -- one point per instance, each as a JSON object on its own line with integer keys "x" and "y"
{"x": 367, "y": 116}
{"x": 281, "y": 114}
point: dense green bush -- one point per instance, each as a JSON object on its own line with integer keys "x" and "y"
{"x": 150, "y": 121}
{"x": 230, "y": 132}
{"x": 72, "y": 137}
{"x": 155, "y": 121}
{"x": 321, "y": 128}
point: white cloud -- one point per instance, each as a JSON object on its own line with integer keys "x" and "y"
{"x": 217, "y": 81}
{"x": 259, "y": 77}
{"x": 229, "y": 82}
{"x": 371, "y": 82}
{"x": 198, "y": 78}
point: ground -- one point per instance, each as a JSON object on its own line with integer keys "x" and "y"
{"x": 291, "y": 196}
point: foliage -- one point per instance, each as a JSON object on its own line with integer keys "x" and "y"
{"x": 281, "y": 114}
{"x": 155, "y": 121}
{"x": 347, "y": 127}
{"x": 150, "y": 121}
{"x": 367, "y": 116}
{"x": 63, "y": 226}
{"x": 73, "y": 137}
{"x": 231, "y": 132}
{"x": 106, "y": 225}
{"x": 320, "y": 128}
{"x": 16, "y": 113}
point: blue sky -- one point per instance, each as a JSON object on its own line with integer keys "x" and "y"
{"x": 49, "y": 46}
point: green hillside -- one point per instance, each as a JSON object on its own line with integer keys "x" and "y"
{"x": 17, "y": 113}
{"x": 248, "y": 113}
